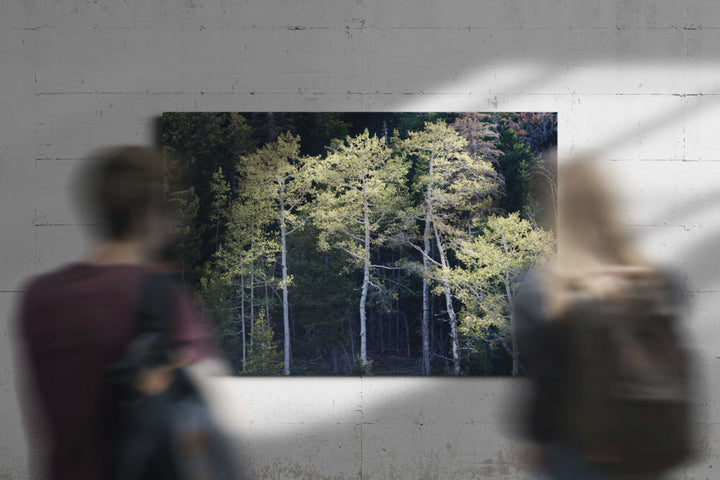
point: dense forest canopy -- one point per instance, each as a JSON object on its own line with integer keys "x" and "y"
{"x": 361, "y": 243}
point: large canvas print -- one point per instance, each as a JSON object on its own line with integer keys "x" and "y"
{"x": 362, "y": 243}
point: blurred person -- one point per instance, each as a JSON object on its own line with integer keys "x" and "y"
{"x": 598, "y": 333}
{"x": 75, "y": 321}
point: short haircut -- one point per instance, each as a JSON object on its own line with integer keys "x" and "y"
{"x": 121, "y": 185}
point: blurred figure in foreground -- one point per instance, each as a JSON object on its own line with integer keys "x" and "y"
{"x": 78, "y": 320}
{"x": 598, "y": 332}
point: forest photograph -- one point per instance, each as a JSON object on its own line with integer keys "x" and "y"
{"x": 338, "y": 243}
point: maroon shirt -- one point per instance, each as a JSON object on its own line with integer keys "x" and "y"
{"x": 75, "y": 322}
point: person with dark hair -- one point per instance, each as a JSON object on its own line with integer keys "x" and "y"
{"x": 77, "y": 320}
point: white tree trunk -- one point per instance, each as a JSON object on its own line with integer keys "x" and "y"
{"x": 426, "y": 274}
{"x": 448, "y": 303}
{"x": 242, "y": 318}
{"x": 366, "y": 282}
{"x": 252, "y": 297}
{"x": 426, "y": 298}
{"x": 286, "y": 307}
{"x": 267, "y": 302}
{"x": 513, "y": 331}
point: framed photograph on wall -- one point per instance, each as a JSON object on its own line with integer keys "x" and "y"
{"x": 336, "y": 243}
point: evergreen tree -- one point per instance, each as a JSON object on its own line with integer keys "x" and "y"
{"x": 263, "y": 357}
{"x": 538, "y": 129}
{"x": 200, "y": 143}
{"x": 323, "y": 307}
{"x": 518, "y": 166}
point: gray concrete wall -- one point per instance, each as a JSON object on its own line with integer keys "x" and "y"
{"x": 639, "y": 80}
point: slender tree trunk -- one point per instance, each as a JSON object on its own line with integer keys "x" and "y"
{"x": 448, "y": 303}
{"x": 426, "y": 277}
{"x": 242, "y": 318}
{"x": 513, "y": 330}
{"x": 397, "y": 325}
{"x": 366, "y": 282}
{"x": 426, "y": 298}
{"x": 397, "y": 311}
{"x": 381, "y": 329}
{"x": 267, "y": 301}
{"x": 432, "y": 329}
{"x": 252, "y": 298}
{"x": 351, "y": 336}
{"x": 286, "y": 306}
{"x": 407, "y": 336}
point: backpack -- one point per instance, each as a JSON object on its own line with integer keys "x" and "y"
{"x": 170, "y": 435}
{"x": 628, "y": 399}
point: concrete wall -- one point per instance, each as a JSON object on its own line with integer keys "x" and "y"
{"x": 639, "y": 80}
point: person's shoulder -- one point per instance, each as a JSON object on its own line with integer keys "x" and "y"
{"x": 34, "y": 284}
{"x": 37, "y": 291}
{"x": 30, "y": 285}
{"x": 70, "y": 273}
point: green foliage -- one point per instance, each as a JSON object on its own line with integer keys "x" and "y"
{"x": 518, "y": 166}
{"x": 538, "y": 129}
{"x": 263, "y": 358}
{"x": 489, "y": 274}
{"x": 360, "y": 368}
{"x": 275, "y": 173}
{"x": 507, "y": 247}
{"x": 318, "y": 129}
{"x": 456, "y": 187}
{"x": 323, "y": 303}
{"x": 359, "y": 187}
{"x": 183, "y": 205}
{"x": 216, "y": 295}
{"x": 198, "y": 144}
{"x": 220, "y": 194}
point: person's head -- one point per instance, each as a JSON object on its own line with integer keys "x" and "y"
{"x": 594, "y": 254}
{"x": 123, "y": 188}
{"x": 589, "y": 232}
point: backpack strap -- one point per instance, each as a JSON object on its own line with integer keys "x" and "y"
{"x": 151, "y": 344}
{"x": 155, "y": 313}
